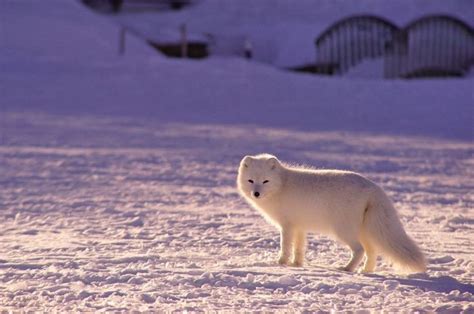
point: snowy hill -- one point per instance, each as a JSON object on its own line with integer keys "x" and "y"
{"x": 282, "y": 32}
{"x": 218, "y": 90}
{"x": 117, "y": 185}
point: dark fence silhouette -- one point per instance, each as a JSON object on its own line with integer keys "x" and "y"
{"x": 194, "y": 49}
{"x": 116, "y": 6}
{"x": 434, "y": 45}
{"x": 352, "y": 39}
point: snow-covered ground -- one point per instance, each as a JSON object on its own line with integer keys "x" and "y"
{"x": 117, "y": 214}
{"x": 117, "y": 175}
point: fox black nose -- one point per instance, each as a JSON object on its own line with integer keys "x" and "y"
{"x": 256, "y": 194}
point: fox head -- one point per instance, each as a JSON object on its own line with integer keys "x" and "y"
{"x": 259, "y": 176}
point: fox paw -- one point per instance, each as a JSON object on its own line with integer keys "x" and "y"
{"x": 344, "y": 268}
{"x": 366, "y": 271}
{"x": 297, "y": 264}
{"x": 283, "y": 260}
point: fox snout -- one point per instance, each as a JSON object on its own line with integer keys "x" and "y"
{"x": 256, "y": 194}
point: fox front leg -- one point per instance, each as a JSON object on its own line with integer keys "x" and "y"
{"x": 286, "y": 245}
{"x": 299, "y": 248}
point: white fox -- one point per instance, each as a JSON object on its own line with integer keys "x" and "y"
{"x": 341, "y": 204}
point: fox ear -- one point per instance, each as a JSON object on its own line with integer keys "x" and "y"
{"x": 246, "y": 161}
{"x": 274, "y": 162}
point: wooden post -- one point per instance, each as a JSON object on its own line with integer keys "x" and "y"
{"x": 248, "y": 48}
{"x": 3, "y": 123}
{"x": 184, "y": 41}
{"x": 122, "y": 43}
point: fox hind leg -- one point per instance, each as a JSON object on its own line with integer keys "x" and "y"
{"x": 357, "y": 255}
{"x": 370, "y": 258}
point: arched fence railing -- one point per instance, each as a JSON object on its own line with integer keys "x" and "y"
{"x": 352, "y": 39}
{"x": 434, "y": 45}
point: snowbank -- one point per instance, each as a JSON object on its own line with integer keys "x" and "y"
{"x": 48, "y": 71}
{"x": 55, "y": 30}
{"x": 282, "y": 32}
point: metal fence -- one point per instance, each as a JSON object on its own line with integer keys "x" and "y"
{"x": 352, "y": 39}
{"x": 434, "y": 45}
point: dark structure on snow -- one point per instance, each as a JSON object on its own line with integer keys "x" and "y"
{"x": 352, "y": 39}
{"x": 194, "y": 49}
{"x": 434, "y": 45}
{"x": 116, "y": 6}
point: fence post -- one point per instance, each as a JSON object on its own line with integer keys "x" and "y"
{"x": 184, "y": 41}
{"x": 248, "y": 48}
{"x": 122, "y": 42}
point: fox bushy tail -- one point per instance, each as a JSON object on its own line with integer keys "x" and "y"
{"x": 383, "y": 228}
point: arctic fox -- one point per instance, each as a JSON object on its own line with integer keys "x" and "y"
{"x": 342, "y": 204}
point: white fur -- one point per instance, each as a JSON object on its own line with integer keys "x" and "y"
{"x": 341, "y": 204}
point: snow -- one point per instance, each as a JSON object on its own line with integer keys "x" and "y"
{"x": 117, "y": 175}
{"x": 41, "y": 29}
{"x": 282, "y": 33}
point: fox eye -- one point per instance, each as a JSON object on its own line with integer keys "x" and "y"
{"x": 251, "y": 181}
{"x": 266, "y": 181}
